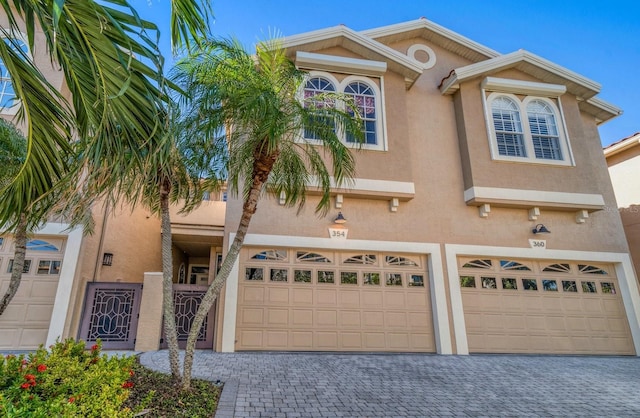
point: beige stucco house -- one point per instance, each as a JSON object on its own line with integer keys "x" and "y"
{"x": 478, "y": 221}
{"x": 623, "y": 159}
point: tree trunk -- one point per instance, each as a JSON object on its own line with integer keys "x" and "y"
{"x": 18, "y": 262}
{"x": 170, "y": 332}
{"x": 262, "y": 168}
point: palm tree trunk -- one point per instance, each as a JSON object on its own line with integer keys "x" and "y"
{"x": 262, "y": 168}
{"x": 167, "y": 281}
{"x": 18, "y": 262}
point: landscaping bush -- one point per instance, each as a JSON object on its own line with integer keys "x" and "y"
{"x": 65, "y": 381}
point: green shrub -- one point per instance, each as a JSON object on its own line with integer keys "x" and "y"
{"x": 65, "y": 381}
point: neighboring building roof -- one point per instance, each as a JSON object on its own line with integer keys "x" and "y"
{"x": 435, "y": 33}
{"x": 622, "y": 145}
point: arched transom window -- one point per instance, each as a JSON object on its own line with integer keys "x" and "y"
{"x": 314, "y": 88}
{"x": 7, "y": 91}
{"x": 508, "y": 127}
{"x": 365, "y": 100}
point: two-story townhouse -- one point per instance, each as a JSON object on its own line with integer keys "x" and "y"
{"x": 477, "y": 221}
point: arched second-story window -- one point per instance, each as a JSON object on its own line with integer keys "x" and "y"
{"x": 7, "y": 91}
{"x": 365, "y": 100}
{"x": 315, "y": 87}
{"x": 508, "y": 127}
{"x": 544, "y": 130}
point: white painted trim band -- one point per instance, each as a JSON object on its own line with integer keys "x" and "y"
{"x": 494, "y": 193}
{"x": 523, "y": 87}
{"x": 334, "y": 63}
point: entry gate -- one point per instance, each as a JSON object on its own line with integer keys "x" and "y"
{"x": 187, "y": 300}
{"x": 111, "y": 314}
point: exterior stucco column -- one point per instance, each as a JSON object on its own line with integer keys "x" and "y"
{"x": 150, "y": 321}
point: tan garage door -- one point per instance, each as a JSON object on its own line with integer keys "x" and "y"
{"x": 309, "y": 300}
{"x": 25, "y": 323}
{"x": 523, "y": 306}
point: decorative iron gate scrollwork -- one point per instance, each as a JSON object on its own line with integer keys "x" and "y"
{"x": 111, "y": 314}
{"x": 187, "y": 300}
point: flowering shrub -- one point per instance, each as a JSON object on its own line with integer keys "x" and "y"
{"x": 65, "y": 381}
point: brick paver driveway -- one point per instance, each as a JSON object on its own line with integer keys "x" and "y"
{"x": 413, "y": 385}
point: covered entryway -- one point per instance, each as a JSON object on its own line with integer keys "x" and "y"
{"x": 25, "y": 323}
{"x": 526, "y": 306}
{"x": 306, "y": 300}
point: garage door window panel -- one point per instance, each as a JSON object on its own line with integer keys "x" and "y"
{"x": 279, "y": 275}
{"x": 550, "y": 285}
{"x": 509, "y": 283}
{"x": 308, "y": 257}
{"x": 41, "y": 245}
{"x": 400, "y": 261}
{"x": 589, "y": 287}
{"x": 271, "y": 255}
{"x": 48, "y": 267}
{"x": 529, "y": 284}
{"x": 394, "y": 279}
{"x": 25, "y": 269}
{"x": 254, "y": 274}
{"x": 366, "y": 259}
{"x": 349, "y": 277}
{"x": 371, "y": 278}
{"x": 589, "y": 269}
{"x": 608, "y": 287}
{"x": 416, "y": 280}
{"x": 467, "y": 281}
{"x": 557, "y": 268}
{"x": 479, "y": 264}
{"x": 326, "y": 276}
{"x": 302, "y": 276}
{"x": 513, "y": 265}
{"x": 569, "y": 286}
{"x": 488, "y": 282}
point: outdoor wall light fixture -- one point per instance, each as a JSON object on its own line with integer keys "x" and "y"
{"x": 540, "y": 229}
{"x": 339, "y": 219}
{"x": 107, "y": 259}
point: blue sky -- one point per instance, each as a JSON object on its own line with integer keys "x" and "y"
{"x": 597, "y": 39}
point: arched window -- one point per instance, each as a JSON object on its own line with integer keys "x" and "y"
{"x": 365, "y": 100}
{"x": 7, "y": 92}
{"x": 544, "y": 130}
{"x": 315, "y": 87}
{"x": 508, "y": 127}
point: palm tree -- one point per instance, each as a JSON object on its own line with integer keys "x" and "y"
{"x": 13, "y": 149}
{"x": 254, "y": 103}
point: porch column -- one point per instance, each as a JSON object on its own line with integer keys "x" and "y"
{"x": 150, "y": 320}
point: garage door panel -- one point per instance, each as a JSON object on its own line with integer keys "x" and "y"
{"x": 398, "y": 341}
{"x": 327, "y": 297}
{"x": 374, "y": 340}
{"x": 418, "y": 320}
{"x": 302, "y": 296}
{"x": 44, "y": 289}
{"x": 39, "y": 313}
{"x": 278, "y": 295}
{"x": 10, "y": 338}
{"x": 417, "y": 301}
{"x": 15, "y": 312}
{"x": 350, "y": 319}
{"x": 349, "y": 298}
{"x": 251, "y": 338}
{"x": 327, "y": 340}
{"x": 302, "y": 317}
{"x": 252, "y": 316}
{"x": 326, "y": 318}
{"x": 351, "y": 340}
{"x": 394, "y": 299}
{"x": 423, "y": 342}
{"x": 277, "y": 317}
{"x": 32, "y": 338}
{"x": 374, "y": 319}
{"x": 253, "y": 295}
{"x": 372, "y": 298}
{"x": 577, "y": 318}
{"x": 396, "y": 320}
{"x": 277, "y": 339}
{"x": 301, "y": 339}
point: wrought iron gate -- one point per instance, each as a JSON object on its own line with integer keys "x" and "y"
{"x": 187, "y": 300}
{"x": 111, "y": 314}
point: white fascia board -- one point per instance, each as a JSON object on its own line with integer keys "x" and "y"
{"x": 371, "y": 44}
{"x": 600, "y": 106}
{"x": 434, "y": 27}
{"x": 508, "y": 85}
{"x": 620, "y": 146}
{"x": 336, "y": 63}
{"x": 477, "y": 69}
{"x": 371, "y": 185}
{"x": 494, "y": 193}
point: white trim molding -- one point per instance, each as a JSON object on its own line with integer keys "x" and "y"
{"x": 337, "y": 64}
{"x": 435, "y": 271}
{"x": 621, "y": 261}
{"x": 411, "y": 52}
{"x": 508, "y": 85}
{"x": 67, "y": 276}
{"x": 528, "y": 198}
{"x": 370, "y": 188}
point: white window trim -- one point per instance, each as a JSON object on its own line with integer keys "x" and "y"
{"x": 381, "y": 134}
{"x": 528, "y": 141}
{"x": 12, "y": 110}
